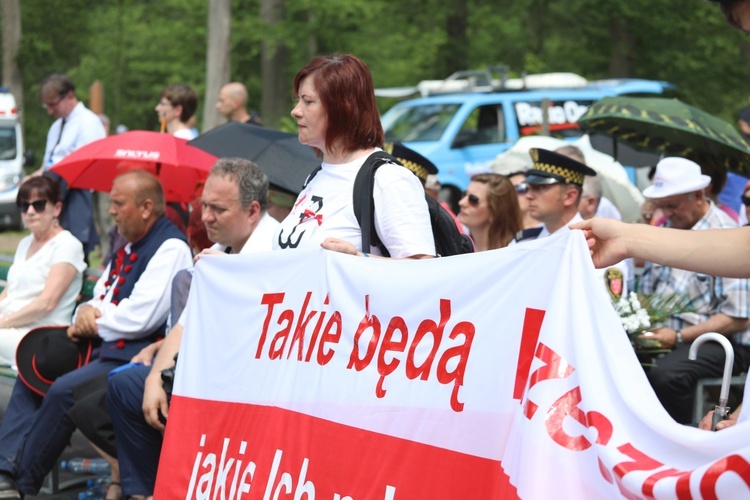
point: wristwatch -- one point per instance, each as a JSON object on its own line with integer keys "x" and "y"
{"x": 679, "y": 339}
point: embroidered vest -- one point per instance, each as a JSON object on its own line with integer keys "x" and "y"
{"x": 124, "y": 273}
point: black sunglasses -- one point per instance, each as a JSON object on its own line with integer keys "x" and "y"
{"x": 39, "y": 205}
{"x": 522, "y": 188}
{"x": 472, "y": 199}
{"x": 745, "y": 200}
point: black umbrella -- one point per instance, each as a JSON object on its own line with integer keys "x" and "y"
{"x": 285, "y": 161}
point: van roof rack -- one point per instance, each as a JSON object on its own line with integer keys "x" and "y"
{"x": 485, "y": 81}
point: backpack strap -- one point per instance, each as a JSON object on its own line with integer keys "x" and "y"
{"x": 312, "y": 175}
{"x": 363, "y": 203}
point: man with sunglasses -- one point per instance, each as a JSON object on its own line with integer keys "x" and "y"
{"x": 74, "y": 126}
{"x": 554, "y": 187}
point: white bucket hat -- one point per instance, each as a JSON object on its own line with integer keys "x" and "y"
{"x": 676, "y": 176}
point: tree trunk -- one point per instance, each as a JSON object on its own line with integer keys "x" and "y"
{"x": 455, "y": 52}
{"x": 217, "y": 58}
{"x": 621, "y": 60}
{"x": 312, "y": 38}
{"x": 273, "y": 56}
{"x": 12, "y": 76}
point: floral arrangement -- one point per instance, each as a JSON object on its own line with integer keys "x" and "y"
{"x": 640, "y": 313}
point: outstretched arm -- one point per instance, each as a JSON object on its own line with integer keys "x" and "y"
{"x": 718, "y": 252}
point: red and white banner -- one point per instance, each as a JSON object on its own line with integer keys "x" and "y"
{"x": 503, "y": 374}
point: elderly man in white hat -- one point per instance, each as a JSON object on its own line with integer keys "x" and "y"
{"x": 720, "y": 304}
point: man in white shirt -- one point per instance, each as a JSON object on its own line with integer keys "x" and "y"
{"x": 75, "y": 126}
{"x": 129, "y": 310}
{"x": 234, "y": 211}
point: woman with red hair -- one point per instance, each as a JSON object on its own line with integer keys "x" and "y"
{"x": 337, "y": 116}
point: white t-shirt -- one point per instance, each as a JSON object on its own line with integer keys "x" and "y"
{"x": 28, "y": 277}
{"x": 324, "y": 209}
{"x": 186, "y": 133}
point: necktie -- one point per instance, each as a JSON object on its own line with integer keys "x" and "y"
{"x": 52, "y": 153}
{"x": 62, "y": 126}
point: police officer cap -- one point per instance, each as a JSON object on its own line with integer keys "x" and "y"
{"x": 553, "y": 168}
{"x": 418, "y": 164}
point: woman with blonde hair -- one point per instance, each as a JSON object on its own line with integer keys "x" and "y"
{"x": 491, "y": 212}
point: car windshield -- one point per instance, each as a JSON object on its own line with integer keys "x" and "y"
{"x": 7, "y": 143}
{"x": 418, "y": 123}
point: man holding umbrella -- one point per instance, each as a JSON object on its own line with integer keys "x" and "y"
{"x": 75, "y": 126}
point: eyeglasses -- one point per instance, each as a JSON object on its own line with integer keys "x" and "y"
{"x": 522, "y": 188}
{"x": 50, "y": 105}
{"x": 745, "y": 200}
{"x": 39, "y": 205}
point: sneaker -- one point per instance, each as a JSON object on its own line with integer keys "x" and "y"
{"x": 8, "y": 487}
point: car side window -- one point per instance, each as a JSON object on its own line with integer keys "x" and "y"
{"x": 484, "y": 125}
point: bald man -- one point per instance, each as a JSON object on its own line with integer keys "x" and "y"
{"x": 232, "y": 103}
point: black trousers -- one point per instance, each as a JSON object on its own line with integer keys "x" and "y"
{"x": 675, "y": 377}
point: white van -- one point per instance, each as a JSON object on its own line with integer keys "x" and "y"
{"x": 11, "y": 160}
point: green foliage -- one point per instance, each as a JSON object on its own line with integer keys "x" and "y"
{"x": 135, "y": 48}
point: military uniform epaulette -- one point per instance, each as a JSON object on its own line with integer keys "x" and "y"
{"x": 528, "y": 234}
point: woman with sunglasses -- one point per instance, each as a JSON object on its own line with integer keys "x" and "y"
{"x": 47, "y": 271}
{"x": 491, "y": 212}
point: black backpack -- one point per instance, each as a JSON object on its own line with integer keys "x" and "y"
{"x": 448, "y": 239}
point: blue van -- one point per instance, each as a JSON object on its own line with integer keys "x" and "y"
{"x": 462, "y": 132}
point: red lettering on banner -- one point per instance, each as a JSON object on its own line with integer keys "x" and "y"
{"x": 316, "y": 332}
{"x": 642, "y": 462}
{"x": 532, "y": 325}
{"x": 329, "y": 337}
{"x": 416, "y": 356}
{"x": 554, "y": 367}
{"x": 278, "y": 343}
{"x": 567, "y": 405}
{"x": 458, "y": 353}
{"x": 277, "y": 349}
{"x": 732, "y": 463}
{"x": 368, "y": 322}
{"x": 397, "y": 323}
{"x": 299, "y": 330}
{"x": 436, "y": 330}
{"x": 270, "y": 300}
{"x": 461, "y": 352}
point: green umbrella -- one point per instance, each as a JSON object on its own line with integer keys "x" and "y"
{"x": 669, "y": 126}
